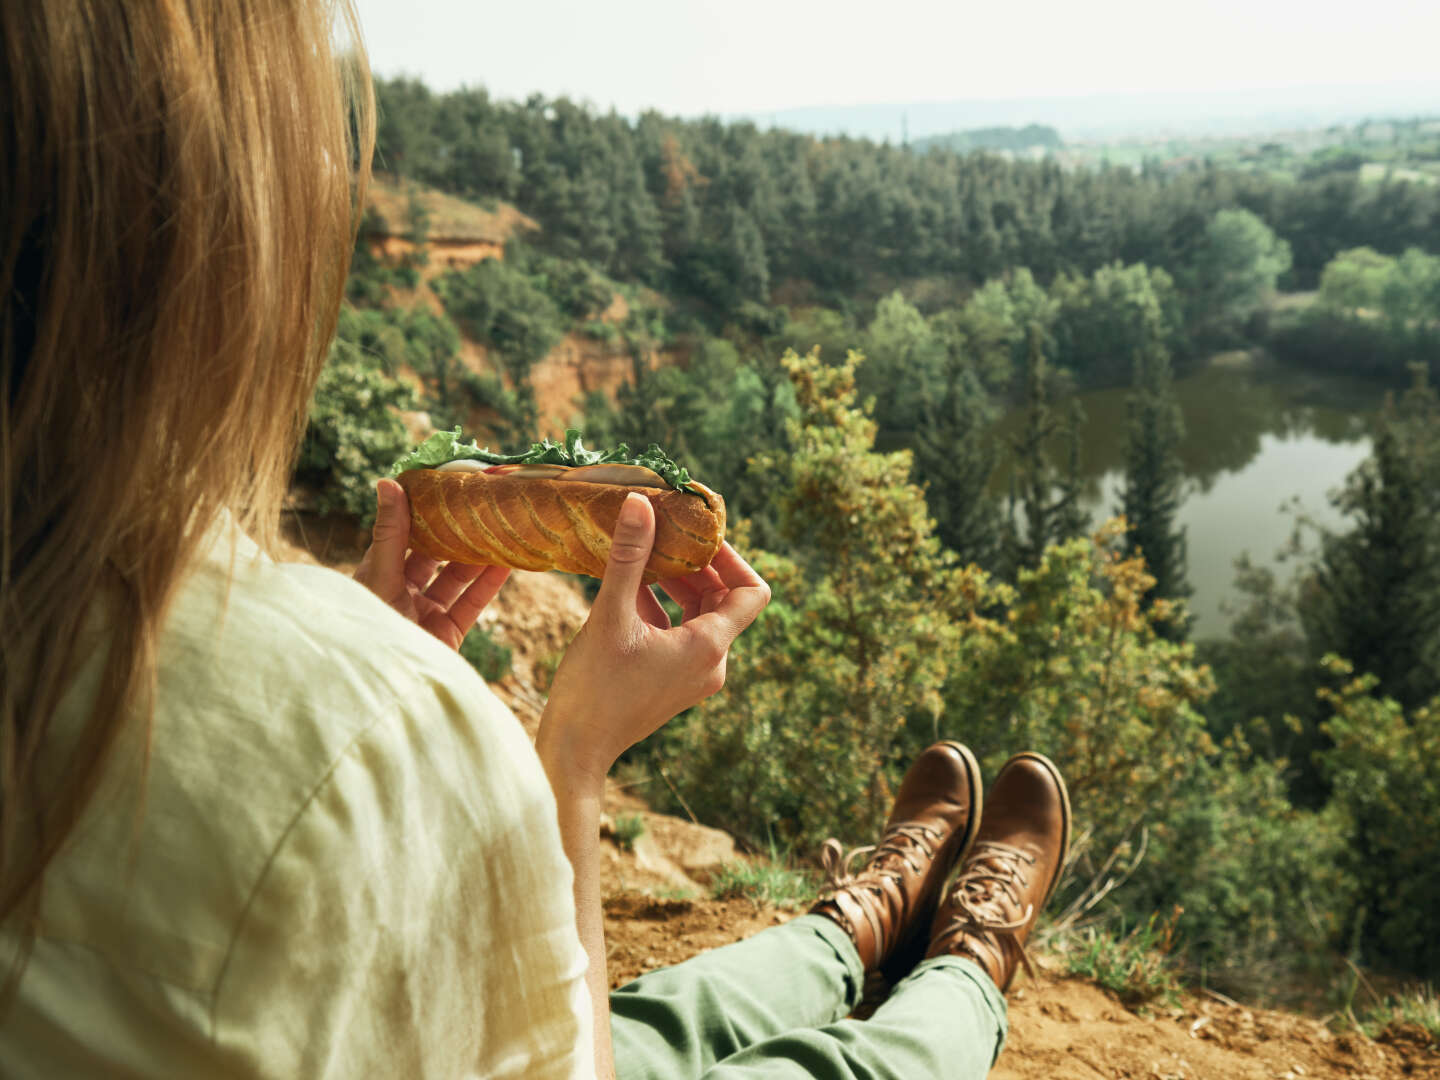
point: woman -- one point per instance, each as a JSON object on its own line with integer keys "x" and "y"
{"x": 254, "y": 820}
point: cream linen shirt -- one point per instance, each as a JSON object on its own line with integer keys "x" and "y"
{"x": 346, "y": 862}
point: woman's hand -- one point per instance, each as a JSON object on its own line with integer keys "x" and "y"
{"x": 445, "y": 603}
{"x": 628, "y": 670}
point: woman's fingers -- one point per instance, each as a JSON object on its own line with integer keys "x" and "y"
{"x": 743, "y": 597}
{"x": 734, "y": 571}
{"x": 709, "y": 590}
{"x": 649, "y": 608}
{"x": 382, "y": 568}
{"x": 420, "y": 569}
{"x": 687, "y": 591}
{"x": 450, "y": 583}
{"x": 477, "y": 596}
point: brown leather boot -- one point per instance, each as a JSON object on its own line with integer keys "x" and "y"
{"x": 1011, "y": 871}
{"x": 887, "y": 906}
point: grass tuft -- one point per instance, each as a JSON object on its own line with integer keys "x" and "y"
{"x": 763, "y": 883}
{"x": 628, "y": 828}
{"x": 1138, "y": 967}
{"x": 1419, "y": 1007}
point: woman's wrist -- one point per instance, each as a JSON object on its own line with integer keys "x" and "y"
{"x": 574, "y": 770}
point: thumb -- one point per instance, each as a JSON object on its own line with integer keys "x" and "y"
{"x": 391, "y": 535}
{"x": 629, "y": 551}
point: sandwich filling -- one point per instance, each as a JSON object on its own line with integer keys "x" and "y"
{"x": 626, "y": 475}
{"x": 569, "y": 460}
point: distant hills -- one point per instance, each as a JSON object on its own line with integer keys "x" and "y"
{"x": 1105, "y": 116}
{"x": 1029, "y": 137}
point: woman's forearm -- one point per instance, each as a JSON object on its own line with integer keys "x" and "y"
{"x": 579, "y": 795}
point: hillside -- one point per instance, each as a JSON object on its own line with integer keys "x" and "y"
{"x": 458, "y": 234}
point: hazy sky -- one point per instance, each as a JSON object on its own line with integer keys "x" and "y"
{"x": 695, "y": 56}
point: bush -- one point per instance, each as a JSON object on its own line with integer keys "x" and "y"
{"x": 1322, "y": 340}
{"x": 486, "y": 655}
{"x": 354, "y": 434}
{"x": 578, "y": 289}
{"x": 372, "y": 276}
{"x": 1260, "y": 883}
{"x": 1067, "y": 661}
{"x": 502, "y": 308}
{"x": 1385, "y": 772}
{"x": 628, "y": 828}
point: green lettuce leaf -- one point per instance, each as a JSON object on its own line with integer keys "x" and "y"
{"x": 446, "y": 446}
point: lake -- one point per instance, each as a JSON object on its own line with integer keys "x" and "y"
{"x": 1258, "y": 439}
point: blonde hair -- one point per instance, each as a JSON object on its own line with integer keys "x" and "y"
{"x": 178, "y": 183}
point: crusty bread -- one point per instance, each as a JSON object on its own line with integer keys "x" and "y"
{"x": 537, "y": 524}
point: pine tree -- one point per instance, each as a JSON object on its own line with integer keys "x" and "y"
{"x": 1047, "y": 497}
{"x": 1374, "y": 598}
{"x": 1154, "y": 483}
{"x": 954, "y": 460}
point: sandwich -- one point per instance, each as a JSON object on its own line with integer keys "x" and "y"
{"x": 554, "y": 506}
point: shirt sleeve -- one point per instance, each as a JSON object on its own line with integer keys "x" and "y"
{"x": 417, "y": 917}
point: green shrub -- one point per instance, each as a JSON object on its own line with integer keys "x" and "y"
{"x": 1385, "y": 772}
{"x": 1260, "y": 882}
{"x": 373, "y": 276}
{"x": 577, "y": 288}
{"x": 354, "y": 433}
{"x": 628, "y": 828}
{"x": 805, "y": 740}
{"x": 502, "y": 308}
{"x": 876, "y": 643}
{"x": 486, "y": 655}
{"x": 601, "y": 331}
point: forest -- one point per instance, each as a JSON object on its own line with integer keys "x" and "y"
{"x": 842, "y": 323}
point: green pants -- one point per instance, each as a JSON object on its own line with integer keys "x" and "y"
{"x": 774, "y": 1005}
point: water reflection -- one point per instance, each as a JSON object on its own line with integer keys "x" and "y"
{"x": 1257, "y": 437}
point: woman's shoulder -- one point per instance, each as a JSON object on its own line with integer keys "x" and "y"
{"x": 289, "y": 702}
{"x": 315, "y": 629}
{"x": 325, "y": 790}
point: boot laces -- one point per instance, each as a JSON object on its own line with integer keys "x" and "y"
{"x": 888, "y": 855}
{"x": 988, "y": 888}
{"x": 907, "y": 846}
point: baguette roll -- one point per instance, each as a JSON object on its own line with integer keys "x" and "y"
{"x": 532, "y": 522}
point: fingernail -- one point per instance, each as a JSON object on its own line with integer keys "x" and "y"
{"x": 383, "y": 494}
{"x": 632, "y": 511}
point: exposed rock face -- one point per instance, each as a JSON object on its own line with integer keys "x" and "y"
{"x": 577, "y": 366}
{"x": 445, "y": 254}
